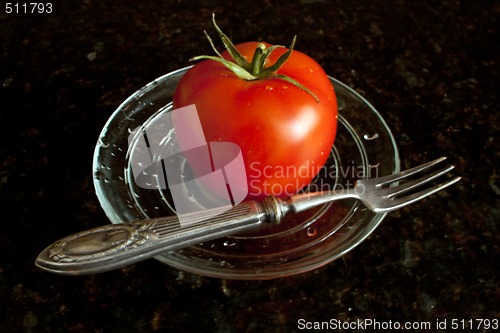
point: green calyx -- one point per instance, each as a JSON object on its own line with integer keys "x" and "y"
{"x": 255, "y": 69}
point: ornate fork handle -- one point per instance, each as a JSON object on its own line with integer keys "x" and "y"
{"x": 116, "y": 245}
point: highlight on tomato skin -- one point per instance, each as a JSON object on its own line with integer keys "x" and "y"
{"x": 283, "y": 121}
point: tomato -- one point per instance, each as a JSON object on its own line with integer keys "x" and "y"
{"x": 285, "y": 131}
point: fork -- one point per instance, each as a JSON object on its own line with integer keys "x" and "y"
{"x": 116, "y": 245}
{"x": 383, "y": 194}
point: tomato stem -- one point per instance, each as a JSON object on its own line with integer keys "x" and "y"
{"x": 258, "y": 59}
{"x": 255, "y": 69}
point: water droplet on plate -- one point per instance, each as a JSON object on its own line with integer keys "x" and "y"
{"x": 102, "y": 144}
{"x": 369, "y": 137}
{"x": 311, "y": 231}
{"x": 225, "y": 264}
{"x": 340, "y": 104}
{"x": 229, "y": 243}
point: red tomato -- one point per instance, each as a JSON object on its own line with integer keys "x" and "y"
{"x": 284, "y": 133}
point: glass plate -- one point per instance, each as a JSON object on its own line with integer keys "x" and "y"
{"x": 364, "y": 148}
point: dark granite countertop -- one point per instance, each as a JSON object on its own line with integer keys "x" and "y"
{"x": 431, "y": 69}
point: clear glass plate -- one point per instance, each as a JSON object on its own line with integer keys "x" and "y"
{"x": 364, "y": 148}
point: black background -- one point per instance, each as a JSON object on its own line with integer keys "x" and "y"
{"x": 430, "y": 68}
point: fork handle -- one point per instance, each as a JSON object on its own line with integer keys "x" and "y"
{"x": 117, "y": 245}
{"x": 301, "y": 202}
{"x": 114, "y": 246}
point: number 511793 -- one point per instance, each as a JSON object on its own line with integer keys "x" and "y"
{"x": 28, "y": 8}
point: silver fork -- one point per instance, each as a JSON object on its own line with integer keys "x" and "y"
{"x": 384, "y": 194}
{"x": 116, "y": 245}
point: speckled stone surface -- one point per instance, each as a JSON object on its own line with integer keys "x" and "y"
{"x": 430, "y": 68}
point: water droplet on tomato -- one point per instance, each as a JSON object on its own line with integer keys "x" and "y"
{"x": 269, "y": 88}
